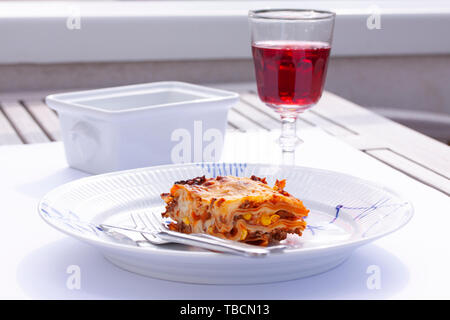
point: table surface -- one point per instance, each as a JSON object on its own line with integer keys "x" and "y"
{"x": 412, "y": 262}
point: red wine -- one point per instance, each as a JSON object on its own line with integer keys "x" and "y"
{"x": 290, "y": 72}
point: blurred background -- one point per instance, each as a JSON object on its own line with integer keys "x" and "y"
{"x": 390, "y": 56}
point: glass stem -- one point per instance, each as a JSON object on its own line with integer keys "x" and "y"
{"x": 288, "y": 158}
{"x": 288, "y": 138}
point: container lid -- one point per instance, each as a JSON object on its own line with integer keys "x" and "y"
{"x": 135, "y": 98}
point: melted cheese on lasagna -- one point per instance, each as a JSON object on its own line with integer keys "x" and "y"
{"x": 235, "y": 208}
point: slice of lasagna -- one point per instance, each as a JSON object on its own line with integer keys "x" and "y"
{"x": 241, "y": 209}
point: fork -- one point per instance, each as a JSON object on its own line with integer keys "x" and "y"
{"x": 155, "y": 232}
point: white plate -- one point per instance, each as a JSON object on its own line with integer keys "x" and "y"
{"x": 346, "y": 212}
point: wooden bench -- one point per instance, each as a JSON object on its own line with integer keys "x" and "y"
{"x": 25, "y": 119}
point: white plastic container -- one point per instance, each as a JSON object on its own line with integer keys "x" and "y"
{"x": 139, "y": 125}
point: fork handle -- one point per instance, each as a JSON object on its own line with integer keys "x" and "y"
{"x": 213, "y": 243}
{"x": 207, "y": 241}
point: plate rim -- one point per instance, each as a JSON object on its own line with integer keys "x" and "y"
{"x": 96, "y": 241}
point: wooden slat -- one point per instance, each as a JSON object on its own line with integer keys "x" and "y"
{"x": 241, "y": 122}
{"x": 45, "y": 117}
{"x": 258, "y": 116}
{"x": 326, "y": 125}
{"x": 310, "y": 117}
{"x": 252, "y": 99}
{"x": 372, "y": 128}
{"x": 230, "y": 127}
{"x": 27, "y": 128}
{"x": 7, "y": 133}
{"x": 412, "y": 169}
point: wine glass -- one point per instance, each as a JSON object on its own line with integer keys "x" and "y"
{"x": 290, "y": 51}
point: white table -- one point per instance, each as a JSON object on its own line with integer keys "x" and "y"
{"x": 413, "y": 262}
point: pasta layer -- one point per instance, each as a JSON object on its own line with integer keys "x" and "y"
{"x": 235, "y": 208}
